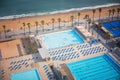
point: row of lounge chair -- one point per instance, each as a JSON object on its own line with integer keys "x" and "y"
{"x": 88, "y": 45}
{"x": 92, "y": 50}
{"x": 2, "y": 72}
{"x": 83, "y": 46}
{"x": 59, "y": 51}
{"x": 49, "y": 74}
{"x": 16, "y": 65}
{"x": 72, "y": 52}
{"x": 69, "y": 56}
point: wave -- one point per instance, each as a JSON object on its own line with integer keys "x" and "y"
{"x": 55, "y": 12}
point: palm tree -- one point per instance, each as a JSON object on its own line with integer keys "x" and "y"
{"x": 4, "y": 28}
{"x": 113, "y": 12}
{"x": 78, "y": 17}
{"x": 59, "y": 20}
{"x": 89, "y": 22}
{"x": 118, "y": 11}
{"x": 43, "y": 22}
{"x": 93, "y": 14}
{"x": 109, "y": 13}
{"x": 100, "y": 10}
{"x": 24, "y": 27}
{"x": 71, "y": 18}
{"x": 53, "y": 20}
{"x": 28, "y": 24}
{"x": 99, "y": 25}
{"x": 36, "y": 24}
{"x": 86, "y": 18}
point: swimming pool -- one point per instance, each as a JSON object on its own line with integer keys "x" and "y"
{"x": 98, "y": 68}
{"x": 60, "y": 39}
{"x": 32, "y": 74}
{"x": 113, "y": 27}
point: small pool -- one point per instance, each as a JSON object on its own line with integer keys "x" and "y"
{"x": 32, "y": 74}
{"x": 60, "y": 39}
{"x": 98, "y": 68}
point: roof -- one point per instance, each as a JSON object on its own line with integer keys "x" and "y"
{"x": 43, "y": 52}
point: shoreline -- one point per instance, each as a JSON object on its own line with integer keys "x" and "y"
{"x": 57, "y": 12}
{"x": 16, "y": 23}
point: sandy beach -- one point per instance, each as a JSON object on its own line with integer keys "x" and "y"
{"x": 13, "y": 24}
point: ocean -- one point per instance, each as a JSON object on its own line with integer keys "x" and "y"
{"x": 21, "y": 8}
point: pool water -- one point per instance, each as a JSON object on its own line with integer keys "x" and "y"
{"x": 97, "y": 68}
{"x": 60, "y": 39}
{"x": 26, "y": 75}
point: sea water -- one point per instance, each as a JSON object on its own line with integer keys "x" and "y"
{"x": 19, "y": 8}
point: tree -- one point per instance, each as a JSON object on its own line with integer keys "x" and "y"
{"x": 86, "y": 19}
{"x": 53, "y": 20}
{"x": 113, "y": 12}
{"x": 24, "y": 27}
{"x": 4, "y": 29}
{"x": 71, "y": 18}
{"x": 43, "y": 22}
{"x": 89, "y": 22}
{"x": 99, "y": 26}
{"x": 28, "y": 24}
{"x": 108, "y": 34}
{"x": 36, "y": 24}
{"x": 118, "y": 12}
{"x": 78, "y": 17}
{"x": 93, "y": 14}
{"x": 100, "y": 10}
{"x": 109, "y": 13}
{"x": 59, "y": 20}
{"x": 86, "y": 16}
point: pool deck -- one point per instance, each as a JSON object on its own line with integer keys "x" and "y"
{"x": 39, "y": 65}
{"x": 5, "y": 64}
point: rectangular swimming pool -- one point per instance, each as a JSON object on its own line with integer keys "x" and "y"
{"x": 60, "y": 39}
{"x": 113, "y": 27}
{"x": 26, "y": 75}
{"x": 98, "y": 68}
